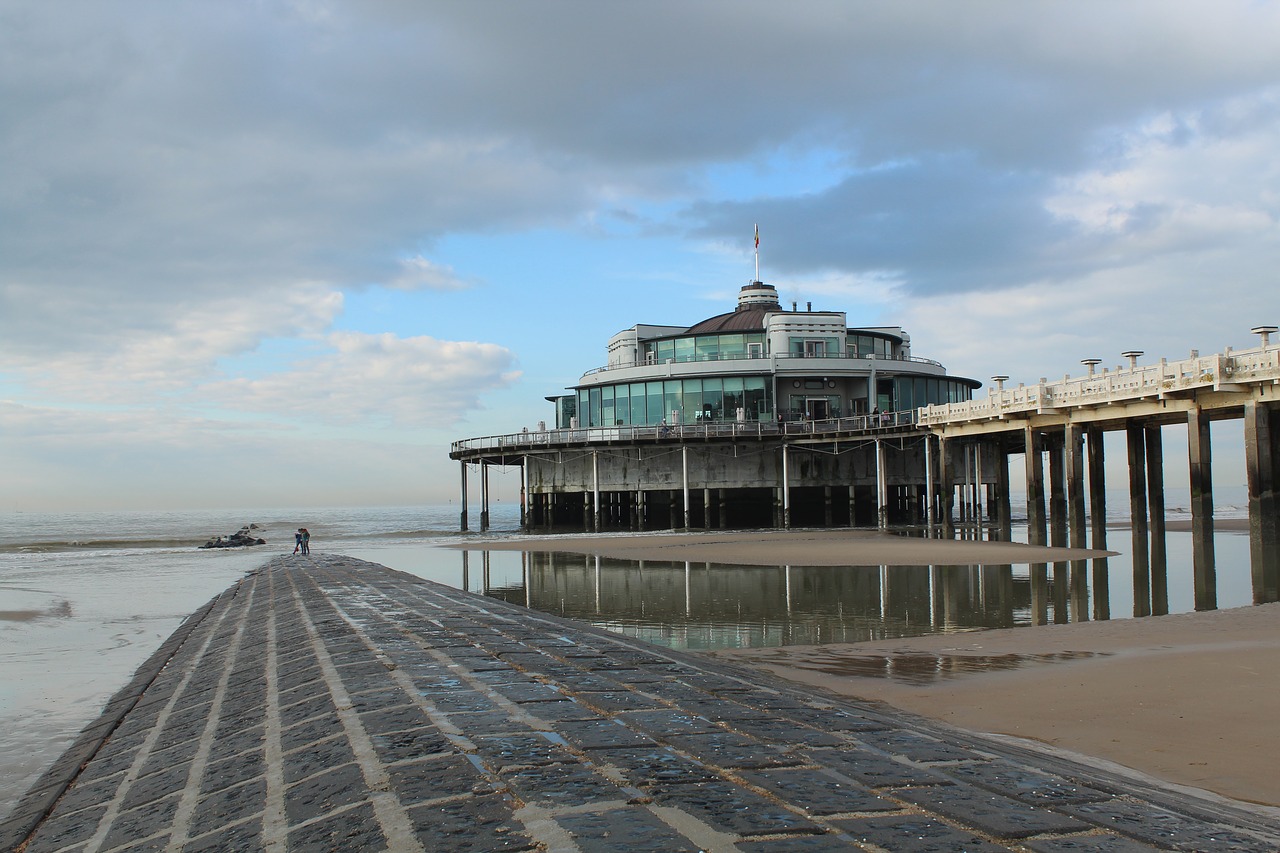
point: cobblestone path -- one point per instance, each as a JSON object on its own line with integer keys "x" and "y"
{"x": 325, "y": 703}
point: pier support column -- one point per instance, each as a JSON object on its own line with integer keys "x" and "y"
{"x": 1073, "y": 464}
{"x": 684, "y": 482}
{"x": 1057, "y": 493}
{"x": 595, "y": 490}
{"x": 524, "y": 495}
{"x": 786, "y": 489}
{"x": 1199, "y": 457}
{"x": 1098, "y": 522}
{"x": 946, "y": 485}
{"x": 882, "y": 489}
{"x": 464, "y": 497}
{"x": 1135, "y": 434}
{"x": 928, "y": 483}
{"x": 1036, "y": 531}
{"x": 1264, "y": 528}
{"x": 1003, "y": 503}
{"x": 1155, "y": 508}
{"x": 484, "y": 496}
{"x": 981, "y": 508}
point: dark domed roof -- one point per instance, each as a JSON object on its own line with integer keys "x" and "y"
{"x": 755, "y": 301}
{"x": 743, "y": 320}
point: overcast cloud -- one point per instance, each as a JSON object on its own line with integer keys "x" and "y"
{"x": 354, "y": 229}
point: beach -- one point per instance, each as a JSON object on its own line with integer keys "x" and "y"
{"x": 1189, "y": 698}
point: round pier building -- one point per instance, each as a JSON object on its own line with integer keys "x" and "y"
{"x": 759, "y": 417}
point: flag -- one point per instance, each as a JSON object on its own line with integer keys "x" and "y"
{"x": 757, "y": 236}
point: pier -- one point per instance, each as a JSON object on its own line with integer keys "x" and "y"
{"x": 325, "y": 703}
{"x": 1066, "y": 420}
{"x": 944, "y": 467}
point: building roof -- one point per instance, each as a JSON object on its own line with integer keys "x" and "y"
{"x": 748, "y": 319}
{"x": 755, "y": 301}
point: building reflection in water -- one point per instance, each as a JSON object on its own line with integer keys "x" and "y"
{"x": 711, "y": 605}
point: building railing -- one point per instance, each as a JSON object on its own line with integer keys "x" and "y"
{"x": 762, "y": 357}
{"x": 544, "y": 439}
{"x": 1224, "y": 371}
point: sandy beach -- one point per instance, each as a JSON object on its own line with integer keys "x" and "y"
{"x": 1189, "y": 698}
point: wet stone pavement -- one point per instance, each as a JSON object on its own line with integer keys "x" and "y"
{"x": 325, "y": 703}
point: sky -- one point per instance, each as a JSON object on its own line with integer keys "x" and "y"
{"x": 273, "y": 253}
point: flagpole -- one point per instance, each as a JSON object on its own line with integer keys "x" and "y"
{"x": 757, "y": 278}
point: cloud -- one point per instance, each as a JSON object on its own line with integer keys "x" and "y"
{"x": 381, "y": 379}
{"x": 1181, "y": 183}
{"x": 940, "y": 223}
{"x": 57, "y": 458}
{"x": 212, "y": 213}
{"x": 419, "y": 273}
{"x": 108, "y": 355}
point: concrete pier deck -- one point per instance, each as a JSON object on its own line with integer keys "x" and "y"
{"x": 325, "y": 703}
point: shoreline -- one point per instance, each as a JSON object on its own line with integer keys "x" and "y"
{"x": 1185, "y": 698}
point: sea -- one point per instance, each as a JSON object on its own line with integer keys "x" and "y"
{"x": 86, "y": 597}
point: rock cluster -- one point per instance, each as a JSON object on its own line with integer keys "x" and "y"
{"x": 241, "y": 538}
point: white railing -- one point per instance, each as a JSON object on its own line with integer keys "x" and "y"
{"x": 542, "y": 439}
{"x": 1222, "y": 371}
{"x": 702, "y": 359}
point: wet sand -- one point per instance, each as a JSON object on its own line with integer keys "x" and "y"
{"x": 842, "y": 547}
{"x": 1190, "y": 698}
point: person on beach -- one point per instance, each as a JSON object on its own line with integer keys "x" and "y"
{"x": 306, "y": 541}
{"x": 297, "y": 541}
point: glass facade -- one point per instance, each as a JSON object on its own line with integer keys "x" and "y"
{"x": 704, "y": 348}
{"x": 912, "y": 392}
{"x": 713, "y": 399}
{"x": 814, "y": 347}
{"x": 719, "y": 398}
{"x": 690, "y": 400}
{"x": 861, "y": 346}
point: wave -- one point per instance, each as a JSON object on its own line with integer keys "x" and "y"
{"x": 57, "y": 545}
{"x": 329, "y": 542}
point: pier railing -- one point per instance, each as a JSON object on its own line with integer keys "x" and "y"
{"x": 553, "y": 438}
{"x": 1225, "y": 371}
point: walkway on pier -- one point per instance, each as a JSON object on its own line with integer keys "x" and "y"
{"x": 325, "y": 703}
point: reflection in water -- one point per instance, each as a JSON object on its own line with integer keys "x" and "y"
{"x": 709, "y": 605}
{"x": 922, "y": 668}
